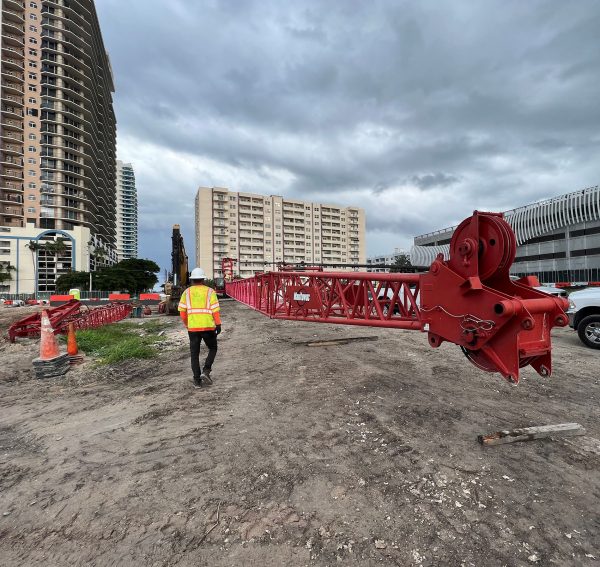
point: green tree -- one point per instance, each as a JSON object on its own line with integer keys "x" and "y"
{"x": 133, "y": 275}
{"x": 71, "y": 280}
{"x": 142, "y": 271}
{"x": 402, "y": 261}
{"x": 113, "y": 279}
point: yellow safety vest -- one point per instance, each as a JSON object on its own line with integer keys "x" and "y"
{"x": 200, "y": 303}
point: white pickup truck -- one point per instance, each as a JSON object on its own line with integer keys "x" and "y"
{"x": 584, "y": 315}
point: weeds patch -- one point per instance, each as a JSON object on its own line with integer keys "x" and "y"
{"x": 120, "y": 341}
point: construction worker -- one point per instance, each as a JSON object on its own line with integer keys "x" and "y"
{"x": 199, "y": 309}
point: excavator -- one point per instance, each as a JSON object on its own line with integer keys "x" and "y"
{"x": 179, "y": 277}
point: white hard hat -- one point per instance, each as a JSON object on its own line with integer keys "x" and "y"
{"x": 197, "y": 274}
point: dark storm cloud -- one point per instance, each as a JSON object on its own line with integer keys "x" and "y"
{"x": 418, "y": 111}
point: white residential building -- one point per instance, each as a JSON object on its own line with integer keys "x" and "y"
{"x": 262, "y": 231}
{"x": 127, "y": 212}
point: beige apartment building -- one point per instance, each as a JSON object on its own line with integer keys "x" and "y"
{"x": 262, "y": 231}
{"x": 58, "y": 127}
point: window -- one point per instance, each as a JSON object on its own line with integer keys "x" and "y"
{"x": 32, "y": 17}
{"x": 31, "y": 209}
{"x": 31, "y": 185}
{"x": 31, "y": 197}
{"x": 32, "y": 149}
{"x": 31, "y": 160}
{"x": 32, "y": 124}
{"x": 33, "y": 52}
{"x": 32, "y": 88}
{"x": 33, "y": 64}
{"x": 31, "y": 173}
{"x": 32, "y": 28}
{"x": 32, "y": 76}
{"x": 32, "y": 136}
{"x": 32, "y": 112}
{"x": 32, "y": 40}
{"x": 31, "y": 100}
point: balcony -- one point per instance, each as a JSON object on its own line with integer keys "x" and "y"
{"x": 11, "y": 63}
{"x": 12, "y": 100}
{"x": 11, "y": 27}
{"x": 10, "y": 198}
{"x": 11, "y": 174}
{"x": 15, "y": 125}
{"x": 9, "y": 15}
{"x": 13, "y": 38}
{"x": 12, "y": 88}
{"x": 11, "y": 160}
{"x": 11, "y": 212}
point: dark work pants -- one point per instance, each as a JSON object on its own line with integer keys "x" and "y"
{"x": 210, "y": 340}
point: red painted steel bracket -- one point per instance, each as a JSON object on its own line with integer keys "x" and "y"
{"x": 501, "y": 325}
{"x": 470, "y": 300}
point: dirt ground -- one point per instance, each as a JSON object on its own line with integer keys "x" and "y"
{"x": 357, "y": 454}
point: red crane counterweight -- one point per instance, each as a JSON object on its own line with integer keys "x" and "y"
{"x": 501, "y": 325}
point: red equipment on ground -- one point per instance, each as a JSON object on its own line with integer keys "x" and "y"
{"x": 74, "y": 312}
{"x": 470, "y": 300}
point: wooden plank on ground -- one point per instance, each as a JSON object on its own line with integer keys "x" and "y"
{"x": 334, "y": 342}
{"x": 529, "y": 433}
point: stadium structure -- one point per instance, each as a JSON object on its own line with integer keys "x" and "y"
{"x": 558, "y": 240}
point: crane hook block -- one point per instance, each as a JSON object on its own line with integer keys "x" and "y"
{"x": 501, "y": 325}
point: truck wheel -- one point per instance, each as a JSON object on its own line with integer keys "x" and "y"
{"x": 589, "y": 331}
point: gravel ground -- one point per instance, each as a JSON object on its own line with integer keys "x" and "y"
{"x": 358, "y": 454}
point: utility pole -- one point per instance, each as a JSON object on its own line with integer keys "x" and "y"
{"x": 90, "y": 280}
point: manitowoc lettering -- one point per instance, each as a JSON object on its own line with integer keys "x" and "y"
{"x": 301, "y": 296}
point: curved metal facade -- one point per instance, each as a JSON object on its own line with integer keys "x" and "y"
{"x": 528, "y": 222}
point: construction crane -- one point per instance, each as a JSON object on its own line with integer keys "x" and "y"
{"x": 179, "y": 277}
{"x": 469, "y": 300}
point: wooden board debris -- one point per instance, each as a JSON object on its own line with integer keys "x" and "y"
{"x": 334, "y": 342}
{"x": 530, "y": 433}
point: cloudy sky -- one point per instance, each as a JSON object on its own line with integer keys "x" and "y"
{"x": 417, "y": 111}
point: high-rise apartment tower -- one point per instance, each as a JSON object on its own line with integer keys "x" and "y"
{"x": 260, "y": 231}
{"x": 58, "y": 137}
{"x": 127, "y": 214}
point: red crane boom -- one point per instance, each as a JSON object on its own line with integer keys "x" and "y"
{"x": 501, "y": 325}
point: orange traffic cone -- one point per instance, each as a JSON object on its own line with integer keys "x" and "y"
{"x": 48, "y": 343}
{"x": 71, "y": 341}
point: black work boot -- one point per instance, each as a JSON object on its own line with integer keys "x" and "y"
{"x": 206, "y": 376}
{"x": 197, "y": 381}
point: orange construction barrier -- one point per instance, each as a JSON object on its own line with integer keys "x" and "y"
{"x": 48, "y": 344}
{"x": 71, "y": 341}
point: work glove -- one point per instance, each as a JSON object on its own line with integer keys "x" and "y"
{"x": 218, "y": 330}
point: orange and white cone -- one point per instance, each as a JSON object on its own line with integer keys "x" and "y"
{"x": 48, "y": 344}
{"x": 71, "y": 341}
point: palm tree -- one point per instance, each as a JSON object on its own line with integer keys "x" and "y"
{"x": 34, "y": 246}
